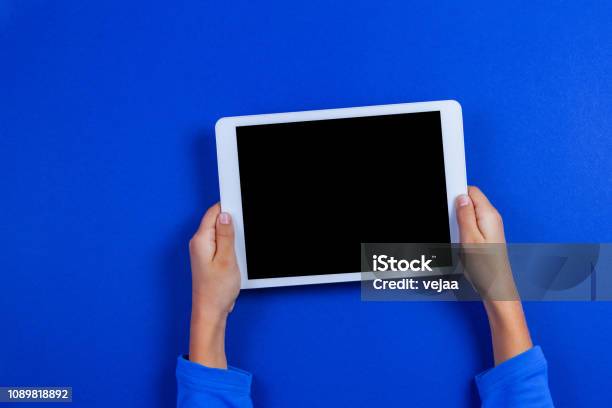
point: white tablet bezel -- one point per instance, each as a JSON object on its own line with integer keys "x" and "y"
{"x": 229, "y": 175}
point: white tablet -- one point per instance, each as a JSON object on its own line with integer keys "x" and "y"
{"x": 305, "y": 189}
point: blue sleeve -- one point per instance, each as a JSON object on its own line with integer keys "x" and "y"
{"x": 521, "y": 381}
{"x": 201, "y": 386}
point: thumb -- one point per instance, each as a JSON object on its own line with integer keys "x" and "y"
{"x": 466, "y": 218}
{"x": 225, "y": 237}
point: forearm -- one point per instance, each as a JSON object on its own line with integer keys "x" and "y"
{"x": 207, "y": 337}
{"x": 205, "y": 379}
{"x": 509, "y": 331}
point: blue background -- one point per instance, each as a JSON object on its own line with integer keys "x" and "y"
{"x": 107, "y": 162}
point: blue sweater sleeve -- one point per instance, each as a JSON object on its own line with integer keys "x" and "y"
{"x": 521, "y": 381}
{"x": 201, "y": 386}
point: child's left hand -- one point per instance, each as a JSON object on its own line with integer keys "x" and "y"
{"x": 215, "y": 286}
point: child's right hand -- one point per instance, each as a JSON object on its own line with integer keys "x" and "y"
{"x": 479, "y": 222}
{"x": 483, "y": 251}
{"x": 486, "y": 266}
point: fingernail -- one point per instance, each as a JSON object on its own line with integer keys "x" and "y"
{"x": 224, "y": 218}
{"x": 463, "y": 200}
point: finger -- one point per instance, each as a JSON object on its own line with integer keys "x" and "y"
{"x": 479, "y": 199}
{"x": 466, "y": 218}
{"x": 488, "y": 218}
{"x": 204, "y": 240}
{"x": 225, "y": 238}
{"x": 210, "y": 218}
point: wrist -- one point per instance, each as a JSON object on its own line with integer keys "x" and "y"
{"x": 207, "y": 315}
{"x": 209, "y": 308}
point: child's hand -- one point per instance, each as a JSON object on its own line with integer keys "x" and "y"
{"x": 483, "y": 249}
{"x": 215, "y": 286}
{"x": 479, "y": 222}
{"x": 214, "y": 270}
{"x": 486, "y": 265}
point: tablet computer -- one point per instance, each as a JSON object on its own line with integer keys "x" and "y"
{"x": 305, "y": 189}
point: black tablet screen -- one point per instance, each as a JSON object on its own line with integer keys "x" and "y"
{"x": 313, "y": 191}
